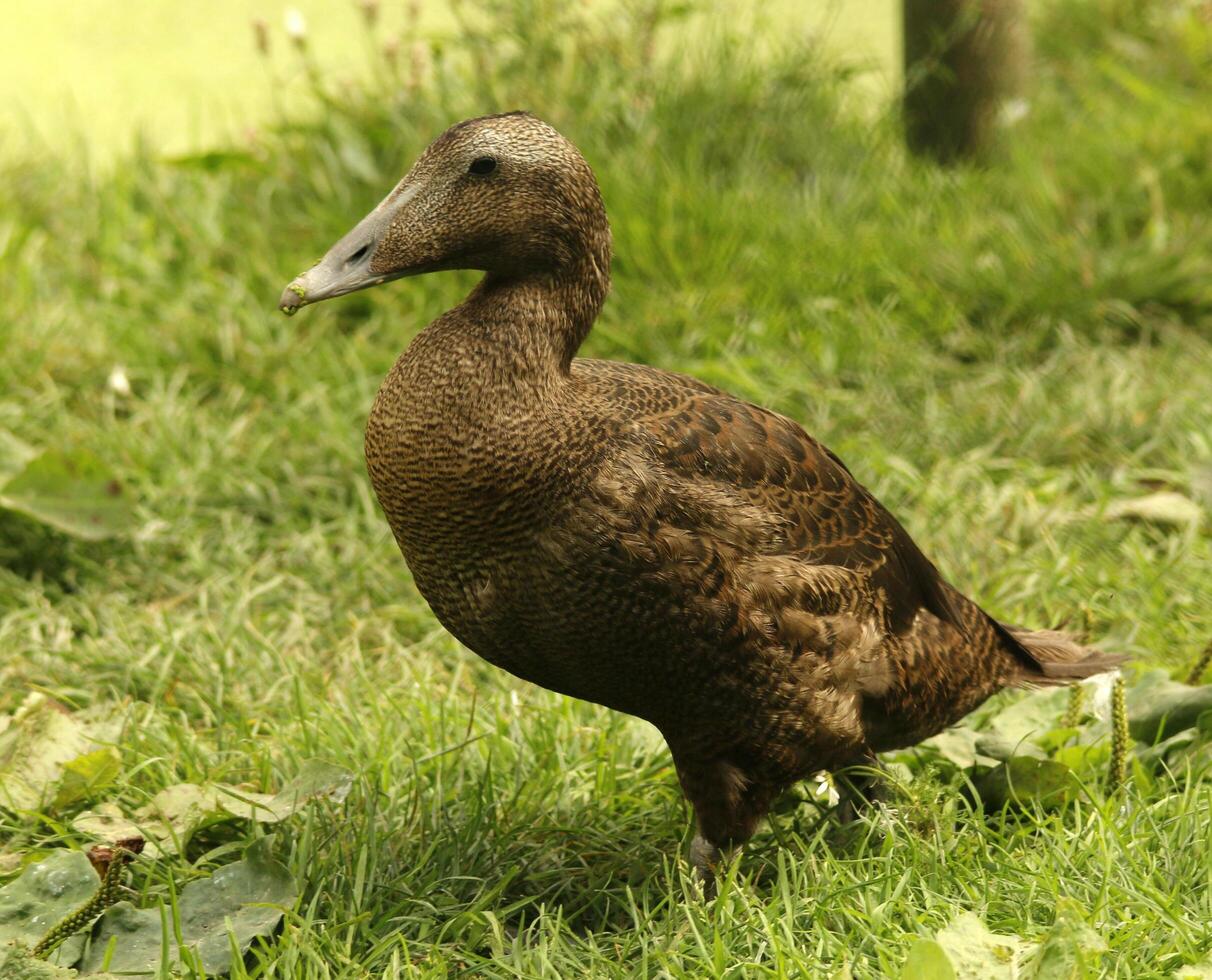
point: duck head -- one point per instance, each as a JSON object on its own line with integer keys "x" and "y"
{"x": 505, "y": 194}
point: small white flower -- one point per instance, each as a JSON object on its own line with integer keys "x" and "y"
{"x": 822, "y": 790}
{"x": 118, "y": 382}
{"x": 296, "y": 25}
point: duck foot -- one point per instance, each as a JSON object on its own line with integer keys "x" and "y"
{"x": 859, "y": 789}
{"x": 704, "y": 858}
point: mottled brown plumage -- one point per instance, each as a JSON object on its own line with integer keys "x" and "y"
{"x": 639, "y": 538}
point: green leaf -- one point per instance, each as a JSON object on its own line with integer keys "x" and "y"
{"x": 177, "y": 812}
{"x": 39, "y": 741}
{"x": 1003, "y": 749}
{"x": 234, "y": 906}
{"x": 927, "y": 960}
{"x": 1158, "y": 707}
{"x": 1024, "y": 779}
{"x": 957, "y": 745}
{"x": 978, "y": 954}
{"x": 315, "y": 780}
{"x": 167, "y": 822}
{"x": 14, "y": 455}
{"x": 1031, "y": 716}
{"x": 1167, "y": 749}
{"x": 18, "y": 963}
{"x": 1069, "y": 951}
{"x": 86, "y": 775}
{"x": 43, "y": 894}
{"x": 72, "y": 492}
{"x": 1087, "y": 759}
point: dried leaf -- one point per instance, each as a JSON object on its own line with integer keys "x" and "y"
{"x": 39, "y": 741}
{"x": 176, "y": 813}
{"x": 1164, "y": 507}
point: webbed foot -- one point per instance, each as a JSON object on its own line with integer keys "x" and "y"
{"x": 705, "y": 858}
{"x": 859, "y": 789}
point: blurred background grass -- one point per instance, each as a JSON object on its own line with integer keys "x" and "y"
{"x": 184, "y": 77}
{"x": 1000, "y": 353}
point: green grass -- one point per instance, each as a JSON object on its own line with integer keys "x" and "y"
{"x": 997, "y": 353}
{"x": 78, "y": 79}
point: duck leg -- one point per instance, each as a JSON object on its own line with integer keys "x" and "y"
{"x": 859, "y": 788}
{"x": 728, "y": 809}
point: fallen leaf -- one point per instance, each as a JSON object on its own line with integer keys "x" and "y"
{"x": 927, "y": 960}
{"x": 234, "y": 906}
{"x": 978, "y": 954}
{"x": 39, "y": 741}
{"x": 1158, "y": 707}
{"x": 42, "y": 895}
{"x": 1024, "y": 779}
{"x": 1069, "y": 951}
{"x": 176, "y": 813}
{"x": 72, "y": 492}
{"x": 957, "y": 745}
{"x": 1196, "y": 971}
{"x": 84, "y": 776}
{"x": 996, "y": 746}
{"x": 1165, "y": 507}
{"x": 315, "y": 780}
{"x": 1030, "y": 716}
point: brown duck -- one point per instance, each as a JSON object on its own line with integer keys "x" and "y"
{"x": 636, "y": 537}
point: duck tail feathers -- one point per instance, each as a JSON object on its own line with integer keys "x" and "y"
{"x": 1054, "y": 659}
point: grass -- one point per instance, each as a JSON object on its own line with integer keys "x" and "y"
{"x": 997, "y": 353}
{"x": 77, "y": 79}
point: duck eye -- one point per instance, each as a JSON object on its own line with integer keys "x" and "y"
{"x": 482, "y": 166}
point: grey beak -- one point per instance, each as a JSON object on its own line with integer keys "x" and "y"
{"x": 346, "y": 266}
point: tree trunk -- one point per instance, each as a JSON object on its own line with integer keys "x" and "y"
{"x": 964, "y": 61}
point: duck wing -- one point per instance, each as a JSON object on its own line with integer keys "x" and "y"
{"x": 718, "y": 448}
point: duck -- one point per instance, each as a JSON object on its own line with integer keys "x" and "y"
{"x": 635, "y": 537}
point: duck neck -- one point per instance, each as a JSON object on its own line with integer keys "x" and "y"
{"x": 534, "y": 322}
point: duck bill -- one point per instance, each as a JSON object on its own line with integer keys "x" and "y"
{"x": 346, "y": 267}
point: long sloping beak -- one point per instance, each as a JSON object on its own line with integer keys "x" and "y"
{"x": 346, "y": 266}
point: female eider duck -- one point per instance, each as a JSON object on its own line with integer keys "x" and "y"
{"x": 635, "y": 537}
